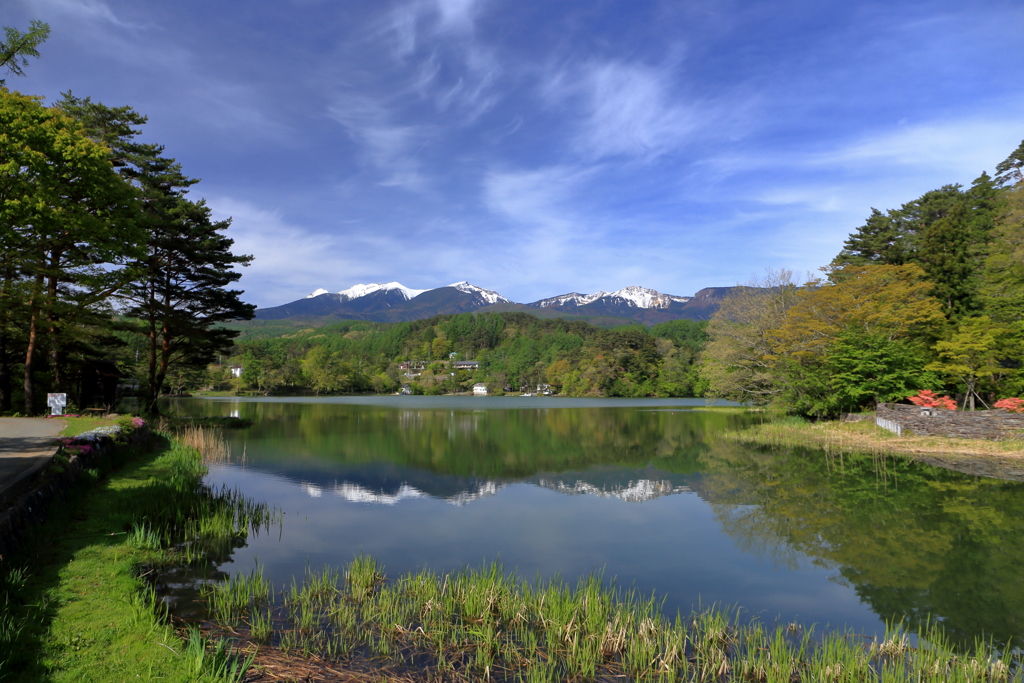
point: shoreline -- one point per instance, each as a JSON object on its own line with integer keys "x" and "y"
{"x": 995, "y": 459}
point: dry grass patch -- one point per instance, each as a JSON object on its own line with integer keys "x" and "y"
{"x": 1001, "y": 459}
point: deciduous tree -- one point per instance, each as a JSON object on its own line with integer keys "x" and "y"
{"x": 739, "y": 361}
{"x": 971, "y": 354}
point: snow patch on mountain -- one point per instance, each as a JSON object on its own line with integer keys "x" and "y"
{"x": 571, "y": 299}
{"x": 317, "y": 293}
{"x": 357, "y": 291}
{"x": 641, "y": 297}
{"x": 489, "y": 296}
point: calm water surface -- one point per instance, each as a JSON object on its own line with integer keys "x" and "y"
{"x": 642, "y": 490}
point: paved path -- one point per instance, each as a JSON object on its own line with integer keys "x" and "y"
{"x": 26, "y": 446}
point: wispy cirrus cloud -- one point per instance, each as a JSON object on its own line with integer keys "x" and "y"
{"x": 622, "y": 109}
{"x": 391, "y": 148}
{"x": 82, "y": 10}
{"x": 449, "y": 66}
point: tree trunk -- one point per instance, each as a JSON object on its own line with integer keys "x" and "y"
{"x": 152, "y": 391}
{"x": 57, "y": 374}
{"x": 5, "y": 370}
{"x": 30, "y": 351}
{"x": 5, "y": 351}
{"x": 161, "y": 372}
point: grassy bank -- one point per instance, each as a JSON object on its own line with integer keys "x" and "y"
{"x": 1002, "y": 459}
{"x": 76, "y": 607}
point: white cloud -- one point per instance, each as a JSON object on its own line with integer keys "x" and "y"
{"x": 88, "y": 10}
{"x": 391, "y": 148}
{"x": 450, "y": 67}
{"x": 623, "y": 108}
{"x": 954, "y": 147}
{"x": 290, "y": 260}
{"x": 457, "y": 15}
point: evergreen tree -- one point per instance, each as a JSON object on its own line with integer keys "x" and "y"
{"x": 875, "y": 242}
{"x": 947, "y": 256}
{"x": 1010, "y": 171}
{"x": 17, "y": 46}
{"x": 178, "y": 292}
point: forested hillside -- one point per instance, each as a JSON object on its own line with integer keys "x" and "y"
{"x": 516, "y": 352}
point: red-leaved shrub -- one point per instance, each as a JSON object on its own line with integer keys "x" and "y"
{"x": 928, "y": 399}
{"x": 1013, "y": 405}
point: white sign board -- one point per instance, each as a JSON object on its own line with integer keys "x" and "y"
{"x": 57, "y": 403}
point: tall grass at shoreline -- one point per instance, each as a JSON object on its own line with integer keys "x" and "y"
{"x": 485, "y": 624}
{"x": 181, "y": 514}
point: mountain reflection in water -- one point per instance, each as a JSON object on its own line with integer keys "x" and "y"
{"x": 650, "y": 494}
{"x": 632, "y": 492}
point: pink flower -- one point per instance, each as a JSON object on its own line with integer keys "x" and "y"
{"x": 138, "y": 422}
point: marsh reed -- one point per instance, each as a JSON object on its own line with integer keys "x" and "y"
{"x": 183, "y": 515}
{"x": 485, "y": 624}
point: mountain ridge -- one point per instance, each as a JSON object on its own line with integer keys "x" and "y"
{"x": 394, "y": 302}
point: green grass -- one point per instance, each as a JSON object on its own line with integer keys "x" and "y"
{"x": 75, "y": 607}
{"x": 485, "y": 624}
{"x": 78, "y": 425}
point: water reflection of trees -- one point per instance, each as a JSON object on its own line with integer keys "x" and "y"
{"x": 485, "y": 443}
{"x": 912, "y": 540}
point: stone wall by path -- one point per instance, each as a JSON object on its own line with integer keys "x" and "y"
{"x": 978, "y": 424}
{"x": 50, "y": 487}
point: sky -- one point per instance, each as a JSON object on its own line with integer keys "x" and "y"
{"x": 538, "y": 147}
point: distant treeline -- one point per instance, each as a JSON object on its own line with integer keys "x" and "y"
{"x": 516, "y": 352}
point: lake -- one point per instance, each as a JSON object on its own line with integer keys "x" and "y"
{"x": 644, "y": 490}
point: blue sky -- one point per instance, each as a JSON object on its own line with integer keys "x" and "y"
{"x": 536, "y": 147}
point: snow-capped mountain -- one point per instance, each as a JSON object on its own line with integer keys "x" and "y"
{"x": 488, "y": 295}
{"x": 639, "y": 297}
{"x": 393, "y": 302}
{"x": 358, "y": 291}
{"x": 386, "y": 302}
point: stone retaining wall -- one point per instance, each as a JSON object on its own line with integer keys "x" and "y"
{"x": 50, "y": 487}
{"x": 978, "y": 424}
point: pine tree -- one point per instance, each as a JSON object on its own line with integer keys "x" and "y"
{"x": 178, "y": 294}
{"x": 946, "y": 254}
{"x": 17, "y": 46}
{"x": 875, "y": 242}
{"x": 1010, "y": 171}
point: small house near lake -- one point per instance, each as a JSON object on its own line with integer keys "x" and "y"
{"x": 466, "y": 365}
{"x": 479, "y": 389}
